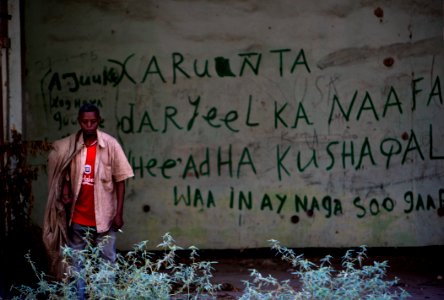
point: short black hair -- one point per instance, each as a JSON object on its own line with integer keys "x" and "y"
{"x": 88, "y": 107}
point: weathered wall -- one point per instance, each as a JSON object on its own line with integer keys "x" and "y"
{"x": 316, "y": 124}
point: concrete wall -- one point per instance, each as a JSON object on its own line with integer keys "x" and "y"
{"x": 317, "y": 123}
{"x": 11, "y": 72}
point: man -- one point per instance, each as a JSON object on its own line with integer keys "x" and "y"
{"x": 86, "y": 177}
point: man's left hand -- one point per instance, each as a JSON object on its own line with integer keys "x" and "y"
{"x": 117, "y": 223}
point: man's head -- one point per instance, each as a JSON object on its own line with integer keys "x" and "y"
{"x": 89, "y": 119}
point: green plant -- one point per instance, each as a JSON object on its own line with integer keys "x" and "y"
{"x": 16, "y": 177}
{"x": 353, "y": 280}
{"x": 135, "y": 275}
{"x": 17, "y": 231}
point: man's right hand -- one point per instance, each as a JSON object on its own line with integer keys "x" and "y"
{"x": 66, "y": 199}
{"x": 66, "y": 192}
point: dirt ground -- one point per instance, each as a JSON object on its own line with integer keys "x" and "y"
{"x": 420, "y": 270}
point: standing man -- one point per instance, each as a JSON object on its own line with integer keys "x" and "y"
{"x": 86, "y": 176}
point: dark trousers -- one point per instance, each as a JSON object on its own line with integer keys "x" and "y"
{"x": 78, "y": 235}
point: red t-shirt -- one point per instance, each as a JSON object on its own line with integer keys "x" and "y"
{"x": 84, "y": 208}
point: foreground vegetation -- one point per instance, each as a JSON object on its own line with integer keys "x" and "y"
{"x": 137, "y": 275}
{"x": 353, "y": 280}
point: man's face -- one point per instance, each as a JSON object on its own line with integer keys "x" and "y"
{"x": 89, "y": 122}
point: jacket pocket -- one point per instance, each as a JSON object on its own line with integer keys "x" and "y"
{"x": 106, "y": 178}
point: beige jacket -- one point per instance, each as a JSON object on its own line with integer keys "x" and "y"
{"x": 55, "y": 233}
{"x": 69, "y": 154}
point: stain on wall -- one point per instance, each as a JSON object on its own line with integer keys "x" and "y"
{"x": 315, "y": 124}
